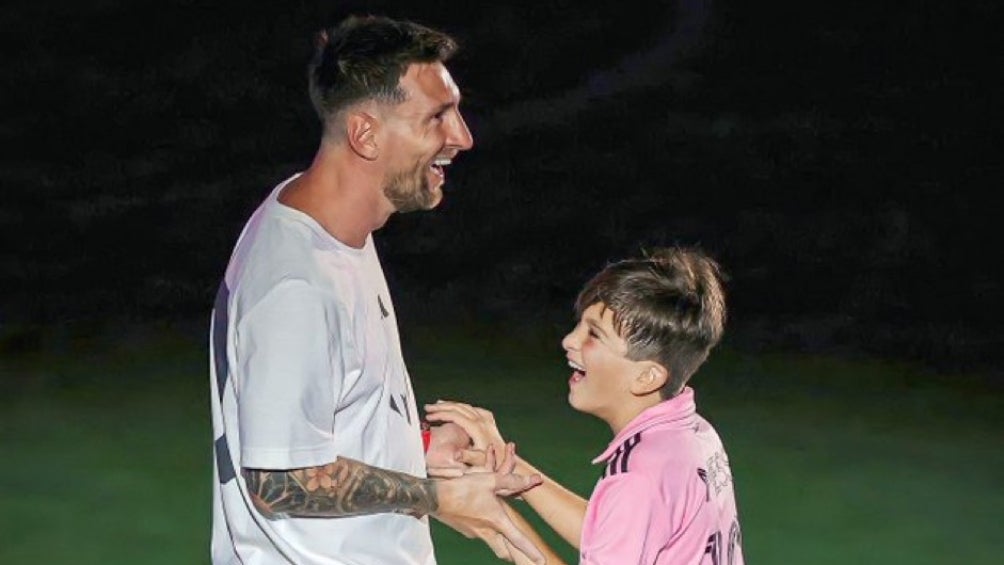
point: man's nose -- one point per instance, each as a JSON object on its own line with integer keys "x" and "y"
{"x": 460, "y": 135}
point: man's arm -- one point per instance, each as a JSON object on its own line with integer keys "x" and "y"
{"x": 343, "y": 488}
{"x": 349, "y": 488}
{"x": 561, "y": 508}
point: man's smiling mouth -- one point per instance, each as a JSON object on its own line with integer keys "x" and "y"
{"x": 439, "y": 164}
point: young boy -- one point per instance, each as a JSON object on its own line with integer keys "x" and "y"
{"x": 666, "y": 495}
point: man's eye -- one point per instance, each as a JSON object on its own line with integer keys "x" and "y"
{"x": 593, "y": 334}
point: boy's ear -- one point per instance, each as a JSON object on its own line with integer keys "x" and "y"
{"x": 360, "y": 132}
{"x": 652, "y": 377}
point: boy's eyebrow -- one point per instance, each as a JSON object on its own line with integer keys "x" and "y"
{"x": 595, "y": 326}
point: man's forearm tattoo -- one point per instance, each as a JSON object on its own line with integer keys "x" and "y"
{"x": 343, "y": 488}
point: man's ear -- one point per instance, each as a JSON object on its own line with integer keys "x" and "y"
{"x": 651, "y": 378}
{"x": 360, "y": 132}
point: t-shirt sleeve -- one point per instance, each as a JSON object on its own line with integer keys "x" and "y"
{"x": 290, "y": 371}
{"x": 623, "y": 514}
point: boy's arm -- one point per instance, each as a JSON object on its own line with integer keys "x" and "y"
{"x": 518, "y": 557}
{"x": 349, "y": 488}
{"x": 561, "y": 508}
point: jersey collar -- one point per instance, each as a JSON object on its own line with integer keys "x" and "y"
{"x": 677, "y": 412}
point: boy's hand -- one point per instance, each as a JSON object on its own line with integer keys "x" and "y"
{"x": 478, "y": 423}
{"x": 508, "y": 467}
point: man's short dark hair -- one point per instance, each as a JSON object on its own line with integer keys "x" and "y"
{"x": 364, "y": 57}
{"x": 668, "y": 306}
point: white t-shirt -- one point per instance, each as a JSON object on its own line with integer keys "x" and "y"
{"x": 306, "y": 366}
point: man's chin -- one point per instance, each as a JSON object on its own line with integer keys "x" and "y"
{"x": 434, "y": 199}
{"x": 425, "y": 197}
{"x": 419, "y": 205}
{"x": 431, "y": 198}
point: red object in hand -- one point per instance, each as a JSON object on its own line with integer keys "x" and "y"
{"x": 426, "y": 436}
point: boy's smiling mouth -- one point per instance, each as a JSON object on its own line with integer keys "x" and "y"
{"x": 578, "y": 372}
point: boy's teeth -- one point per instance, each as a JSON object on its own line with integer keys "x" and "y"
{"x": 442, "y": 162}
{"x": 576, "y": 366}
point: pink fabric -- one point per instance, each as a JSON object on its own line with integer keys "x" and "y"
{"x": 666, "y": 495}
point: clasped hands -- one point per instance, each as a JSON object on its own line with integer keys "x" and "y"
{"x": 478, "y": 467}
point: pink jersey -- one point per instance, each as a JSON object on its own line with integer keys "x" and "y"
{"x": 666, "y": 494}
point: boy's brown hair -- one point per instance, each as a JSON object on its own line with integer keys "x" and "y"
{"x": 669, "y": 306}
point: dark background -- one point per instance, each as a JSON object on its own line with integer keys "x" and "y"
{"x": 839, "y": 159}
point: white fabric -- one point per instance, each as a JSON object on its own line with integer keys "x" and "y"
{"x": 313, "y": 371}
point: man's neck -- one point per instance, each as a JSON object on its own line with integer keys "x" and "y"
{"x": 344, "y": 200}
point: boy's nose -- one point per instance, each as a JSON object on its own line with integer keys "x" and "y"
{"x": 571, "y": 341}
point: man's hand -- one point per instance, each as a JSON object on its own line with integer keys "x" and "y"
{"x": 478, "y": 423}
{"x": 469, "y": 505}
{"x": 445, "y": 457}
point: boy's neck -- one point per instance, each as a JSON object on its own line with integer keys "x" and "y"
{"x": 632, "y": 410}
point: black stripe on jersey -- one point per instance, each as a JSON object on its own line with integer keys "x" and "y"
{"x": 224, "y": 465}
{"x": 612, "y": 462}
{"x": 703, "y": 474}
{"x": 220, "y": 317}
{"x": 619, "y": 462}
{"x": 628, "y": 446}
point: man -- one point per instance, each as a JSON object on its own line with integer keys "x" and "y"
{"x": 319, "y": 457}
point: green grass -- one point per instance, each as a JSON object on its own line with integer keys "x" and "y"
{"x": 106, "y": 455}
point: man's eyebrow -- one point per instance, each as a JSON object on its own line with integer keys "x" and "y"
{"x": 444, "y": 107}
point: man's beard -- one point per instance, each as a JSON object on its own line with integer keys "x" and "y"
{"x": 410, "y": 191}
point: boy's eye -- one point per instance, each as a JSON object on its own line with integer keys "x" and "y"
{"x": 593, "y": 334}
